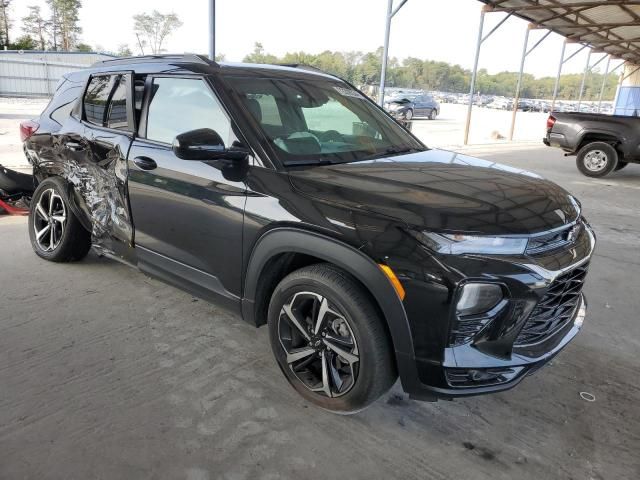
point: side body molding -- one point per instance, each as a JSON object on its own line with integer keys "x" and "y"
{"x": 287, "y": 240}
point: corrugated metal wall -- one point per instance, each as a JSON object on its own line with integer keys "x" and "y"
{"x": 35, "y": 74}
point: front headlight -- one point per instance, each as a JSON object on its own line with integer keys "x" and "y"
{"x": 456, "y": 244}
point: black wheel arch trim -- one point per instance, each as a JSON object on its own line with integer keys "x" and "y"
{"x": 295, "y": 240}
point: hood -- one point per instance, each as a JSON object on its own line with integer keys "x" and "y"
{"x": 443, "y": 191}
{"x": 398, "y": 104}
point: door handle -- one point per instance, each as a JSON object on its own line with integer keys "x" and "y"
{"x": 145, "y": 163}
{"x": 74, "y": 146}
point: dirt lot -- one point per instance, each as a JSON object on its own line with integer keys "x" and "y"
{"x": 105, "y": 373}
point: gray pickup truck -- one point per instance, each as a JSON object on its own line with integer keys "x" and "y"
{"x": 602, "y": 143}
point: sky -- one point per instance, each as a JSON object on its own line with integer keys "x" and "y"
{"x": 443, "y": 30}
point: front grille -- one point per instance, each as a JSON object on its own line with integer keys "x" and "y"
{"x": 556, "y": 308}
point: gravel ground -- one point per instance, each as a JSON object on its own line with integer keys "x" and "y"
{"x": 105, "y": 373}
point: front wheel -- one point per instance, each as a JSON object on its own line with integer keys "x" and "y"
{"x": 408, "y": 115}
{"x": 433, "y": 114}
{"x": 329, "y": 339}
{"x": 597, "y": 159}
{"x": 621, "y": 165}
{"x": 55, "y": 232}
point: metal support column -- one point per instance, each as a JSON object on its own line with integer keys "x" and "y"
{"x": 473, "y": 78}
{"x": 562, "y": 62}
{"x": 525, "y": 54}
{"x": 557, "y": 85}
{"x": 474, "y": 74}
{"x": 385, "y": 52}
{"x": 584, "y": 78}
{"x": 604, "y": 82}
{"x": 391, "y": 12}
{"x": 516, "y": 98}
{"x": 615, "y": 98}
{"x": 212, "y": 30}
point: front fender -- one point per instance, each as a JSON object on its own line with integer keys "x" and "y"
{"x": 295, "y": 240}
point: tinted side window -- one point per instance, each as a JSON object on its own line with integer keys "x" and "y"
{"x": 96, "y": 98}
{"x": 179, "y": 105}
{"x": 117, "y": 117}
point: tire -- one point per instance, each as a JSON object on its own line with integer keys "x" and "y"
{"x": 366, "y": 358}
{"x": 433, "y": 114}
{"x": 408, "y": 115}
{"x": 621, "y": 165}
{"x": 597, "y": 159}
{"x": 70, "y": 242}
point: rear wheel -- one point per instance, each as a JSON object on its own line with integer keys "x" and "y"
{"x": 597, "y": 159}
{"x": 55, "y": 232}
{"x": 433, "y": 114}
{"x": 408, "y": 115}
{"x": 329, "y": 339}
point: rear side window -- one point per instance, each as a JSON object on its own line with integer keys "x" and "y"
{"x": 117, "y": 117}
{"x": 96, "y": 99}
{"x": 179, "y": 105}
{"x": 105, "y": 102}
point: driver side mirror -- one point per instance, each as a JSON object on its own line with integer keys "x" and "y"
{"x": 205, "y": 144}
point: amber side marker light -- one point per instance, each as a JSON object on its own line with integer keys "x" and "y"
{"x": 394, "y": 280}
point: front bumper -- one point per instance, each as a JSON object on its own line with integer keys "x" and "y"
{"x": 439, "y": 370}
{"x": 399, "y": 114}
{"x": 508, "y": 373}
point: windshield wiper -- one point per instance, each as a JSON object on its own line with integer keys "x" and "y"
{"x": 306, "y": 163}
{"x": 391, "y": 151}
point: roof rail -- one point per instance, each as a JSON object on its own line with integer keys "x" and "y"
{"x": 303, "y": 66}
{"x": 186, "y": 58}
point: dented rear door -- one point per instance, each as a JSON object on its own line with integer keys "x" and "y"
{"x": 92, "y": 151}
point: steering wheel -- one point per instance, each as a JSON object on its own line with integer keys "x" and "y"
{"x": 331, "y": 136}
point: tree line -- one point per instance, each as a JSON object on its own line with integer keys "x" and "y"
{"x": 364, "y": 69}
{"x": 58, "y": 29}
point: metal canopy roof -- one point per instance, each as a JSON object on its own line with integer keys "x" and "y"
{"x": 611, "y": 26}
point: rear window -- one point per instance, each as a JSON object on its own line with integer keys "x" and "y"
{"x": 117, "y": 117}
{"x": 105, "y": 102}
{"x": 96, "y": 98}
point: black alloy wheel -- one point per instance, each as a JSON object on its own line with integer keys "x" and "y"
{"x": 330, "y": 340}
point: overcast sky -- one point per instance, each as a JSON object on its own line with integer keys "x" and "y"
{"x": 431, "y": 29}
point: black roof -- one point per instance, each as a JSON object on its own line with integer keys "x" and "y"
{"x": 201, "y": 64}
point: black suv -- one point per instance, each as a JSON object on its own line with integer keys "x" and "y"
{"x": 288, "y": 197}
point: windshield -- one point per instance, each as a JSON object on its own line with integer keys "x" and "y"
{"x": 321, "y": 121}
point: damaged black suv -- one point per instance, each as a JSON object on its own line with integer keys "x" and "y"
{"x": 288, "y": 197}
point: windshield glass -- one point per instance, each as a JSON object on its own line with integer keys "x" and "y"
{"x": 320, "y": 121}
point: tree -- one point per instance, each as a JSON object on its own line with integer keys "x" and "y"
{"x": 124, "y": 50}
{"x": 5, "y": 22}
{"x": 83, "y": 47}
{"x": 25, "y": 42}
{"x": 155, "y": 28}
{"x": 258, "y": 55}
{"x": 36, "y": 26}
{"x": 64, "y": 20}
